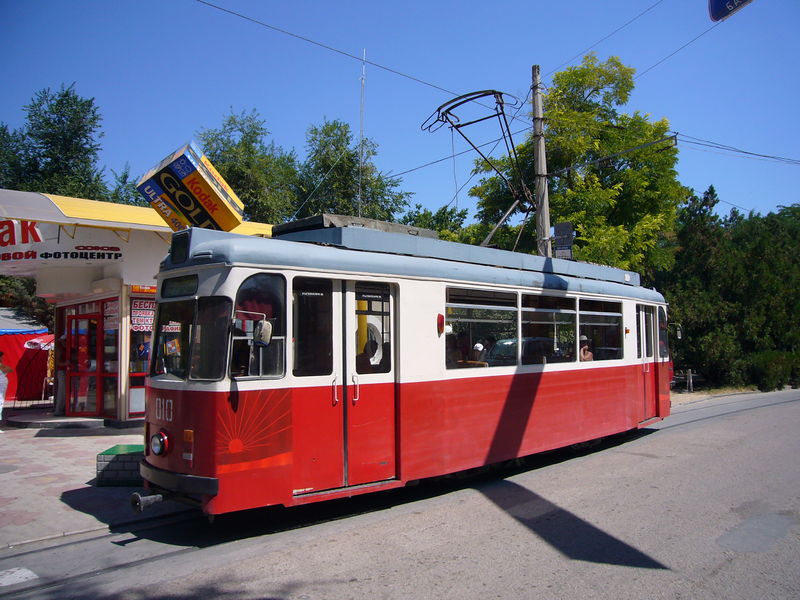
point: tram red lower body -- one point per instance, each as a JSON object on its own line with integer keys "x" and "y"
{"x": 294, "y": 446}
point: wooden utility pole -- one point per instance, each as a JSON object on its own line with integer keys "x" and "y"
{"x": 540, "y": 171}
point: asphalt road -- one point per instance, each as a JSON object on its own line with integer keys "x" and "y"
{"x": 703, "y": 505}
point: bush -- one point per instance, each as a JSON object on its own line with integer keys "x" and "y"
{"x": 772, "y": 369}
{"x": 794, "y": 377}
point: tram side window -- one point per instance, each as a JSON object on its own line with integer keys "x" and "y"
{"x": 312, "y": 323}
{"x": 601, "y": 328}
{"x": 548, "y": 329}
{"x": 260, "y": 297}
{"x": 482, "y": 328}
{"x": 663, "y": 341}
{"x": 373, "y": 328}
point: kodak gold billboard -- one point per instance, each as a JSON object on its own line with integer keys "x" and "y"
{"x": 187, "y": 191}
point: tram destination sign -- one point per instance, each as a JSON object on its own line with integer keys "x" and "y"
{"x": 187, "y": 191}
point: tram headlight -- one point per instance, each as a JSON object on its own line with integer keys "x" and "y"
{"x": 159, "y": 443}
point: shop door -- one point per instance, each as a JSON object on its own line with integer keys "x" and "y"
{"x": 83, "y": 349}
{"x": 646, "y": 346}
{"x": 344, "y": 399}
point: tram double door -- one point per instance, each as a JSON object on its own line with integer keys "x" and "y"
{"x": 344, "y": 422}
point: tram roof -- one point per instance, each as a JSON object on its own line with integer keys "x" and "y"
{"x": 393, "y": 238}
{"x": 357, "y": 249}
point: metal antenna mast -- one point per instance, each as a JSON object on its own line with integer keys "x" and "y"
{"x": 361, "y": 130}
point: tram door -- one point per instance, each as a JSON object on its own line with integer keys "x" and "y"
{"x": 370, "y": 396}
{"x": 344, "y": 423}
{"x": 646, "y": 353}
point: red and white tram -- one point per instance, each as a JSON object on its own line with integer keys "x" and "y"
{"x": 335, "y": 360}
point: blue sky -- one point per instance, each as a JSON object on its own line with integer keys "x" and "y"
{"x": 160, "y": 70}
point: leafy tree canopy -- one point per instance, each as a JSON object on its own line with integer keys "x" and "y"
{"x": 733, "y": 288}
{"x": 264, "y": 176}
{"x": 337, "y": 178}
{"x": 621, "y": 203}
{"x": 447, "y": 221}
{"x": 57, "y": 149}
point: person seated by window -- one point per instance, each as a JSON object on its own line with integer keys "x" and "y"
{"x": 363, "y": 360}
{"x": 385, "y": 365}
{"x": 240, "y": 363}
{"x": 585, "y": 353}
{"x": 452, "y": 353}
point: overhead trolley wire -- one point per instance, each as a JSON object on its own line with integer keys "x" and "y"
{"x": 670, "y": 55}
{"x": 326, "y": 47}
{"x": 620, "y": 28}
{"x": 687, "y": 139}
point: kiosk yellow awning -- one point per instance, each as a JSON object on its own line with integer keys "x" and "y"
{"x": 63, "y": 210}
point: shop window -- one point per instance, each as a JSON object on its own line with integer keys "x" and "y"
{"x": 141, "y": 330}
{"x": 142, "y": 313}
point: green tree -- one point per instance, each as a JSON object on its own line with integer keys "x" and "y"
{"x": 264, "y": 176}
{"x": 20, "y": 293}
{"x": 124, "y": 189}
{"x": 733, "y": 291}
{"x": 332, "y": 180}
{"x": 622, "y": 203}
{"x": 692, "y": 291}
{"x": 446, "y": 221}
{"x": 57, "y": 149}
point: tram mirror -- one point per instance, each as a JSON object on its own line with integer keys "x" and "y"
{"x": 678, "y": 332}
{"x": 262, "y": 333}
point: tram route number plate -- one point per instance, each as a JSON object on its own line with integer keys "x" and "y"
{"x": 164, "y": 409}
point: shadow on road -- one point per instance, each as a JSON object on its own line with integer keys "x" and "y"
{"x": 571, "y": 535}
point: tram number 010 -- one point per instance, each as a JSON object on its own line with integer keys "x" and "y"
{"x": 164, "y": 409}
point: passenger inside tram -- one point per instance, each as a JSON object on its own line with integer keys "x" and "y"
{"x": 364, "y": 360}
{"x": 585, "y": 351}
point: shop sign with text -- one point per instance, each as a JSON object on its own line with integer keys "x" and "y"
{"x": 22, "y": 241}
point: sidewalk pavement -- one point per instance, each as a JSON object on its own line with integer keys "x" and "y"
{"x": 48, "y": 467}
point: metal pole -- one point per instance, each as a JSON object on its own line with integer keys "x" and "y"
{"x": 540, "y": 171}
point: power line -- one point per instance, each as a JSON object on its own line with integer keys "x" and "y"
{"x": 620, "y": 28}
{"x": 675, "y": 136}
{"x": 326, "y": 47}
{"x": 694, "y": 39}
{"x": 687, "y": 139}
{"x": 735, "y": 205}
{"x": 610, "y": 156}
{"x": 438, "y": 160}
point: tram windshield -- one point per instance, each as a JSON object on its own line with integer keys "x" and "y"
{"x": 191, "y": 338}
